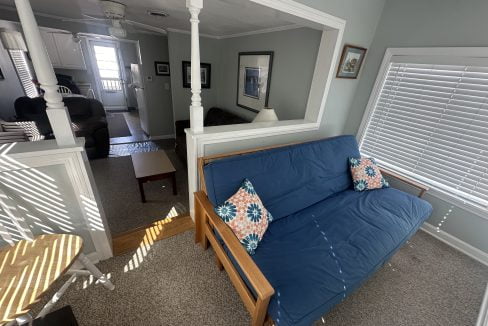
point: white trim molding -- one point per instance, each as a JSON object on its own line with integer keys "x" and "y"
{"x": 456, "y": 243}
{"x": 332, "y": 33}
{"x": 170, "y": 136}
{"x": 483, "y": 315}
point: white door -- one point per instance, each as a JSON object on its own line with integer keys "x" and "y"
{"x": 107, "y": 65}
{"x": 138, "y": 85}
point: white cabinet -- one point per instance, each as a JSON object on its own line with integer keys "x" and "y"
{"x": 63, "y": 51}
{"x": 51, "y": 48}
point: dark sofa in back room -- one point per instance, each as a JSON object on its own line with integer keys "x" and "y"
{"x": 87, "y": 116}
{"x": 214, "y": 117}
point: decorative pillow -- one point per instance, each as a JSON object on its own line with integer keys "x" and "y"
{"x": 366, "y": 175}
{"x": 246, "y": 215}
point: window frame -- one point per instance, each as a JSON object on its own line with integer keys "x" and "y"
{"x": 390, "y": 53}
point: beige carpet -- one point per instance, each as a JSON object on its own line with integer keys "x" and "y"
{"x": 177, "y": 283}
{"x": 121, "y": 199}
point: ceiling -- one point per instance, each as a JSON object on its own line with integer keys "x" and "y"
{"x": 218, "y": 18}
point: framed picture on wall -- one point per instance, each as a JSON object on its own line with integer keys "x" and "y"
{"x": 205, "y": 74}
{"x": 162, "y": 68}
{"x": 351, "y": 61}
{"x": 253, "y": 79}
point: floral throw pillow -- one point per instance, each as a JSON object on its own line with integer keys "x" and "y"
{"x": 246, "y": 215}
{"x": 366, "y": 175}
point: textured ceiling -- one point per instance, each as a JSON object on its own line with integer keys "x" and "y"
{"x": 218, "y": 17}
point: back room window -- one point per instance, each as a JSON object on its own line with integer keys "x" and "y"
{"x": 428, "y": 119}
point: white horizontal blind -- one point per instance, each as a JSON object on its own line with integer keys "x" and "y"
{"x": 430, "y": 122}
{"x": 24, "y": 72}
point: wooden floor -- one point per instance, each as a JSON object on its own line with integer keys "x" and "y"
{"x": 147, "y": 235}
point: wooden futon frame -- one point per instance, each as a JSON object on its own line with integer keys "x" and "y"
{"x": 207, "y": 221}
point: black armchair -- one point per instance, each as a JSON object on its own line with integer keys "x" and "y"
{"x": 214, "y": 117}
{"x": 87, "y": 117}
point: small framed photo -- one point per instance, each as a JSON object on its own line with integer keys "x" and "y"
{"x": 253, "y": 80}
{"x": 205, "y": 74}
{"x": 351, "y": 60}
{"x": 162, "y": 68}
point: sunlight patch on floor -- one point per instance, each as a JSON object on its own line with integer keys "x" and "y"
{"x": 148, "y": 240}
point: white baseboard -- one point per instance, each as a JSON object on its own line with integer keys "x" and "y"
{"x": 483, "y": 315}
{"x": 162, "y": 137}
{"x": 456, "y": 243}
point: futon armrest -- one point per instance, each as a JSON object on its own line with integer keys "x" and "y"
{"x": 422, "y": 187}
{"x": 256, "y": 278}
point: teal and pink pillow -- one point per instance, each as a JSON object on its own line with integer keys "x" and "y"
{"x": 246, "y": 215}
{"x": 366, "y": 175}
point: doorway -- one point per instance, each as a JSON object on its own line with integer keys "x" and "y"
{"x": 109, "y": 75}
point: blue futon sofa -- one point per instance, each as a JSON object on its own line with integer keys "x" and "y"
{"x": 325, "y": 240}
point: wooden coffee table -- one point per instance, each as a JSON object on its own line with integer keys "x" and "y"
{"x": 151, "y": 166}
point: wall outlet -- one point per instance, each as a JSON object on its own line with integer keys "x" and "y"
{"x": 166, "y": 86}
{"x": 149, "y": 78}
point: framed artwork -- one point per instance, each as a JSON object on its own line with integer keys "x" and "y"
{"x": 253, "y": 79}
{"x": 162, "y": 68}
{"x": 205, "y": 74}
{"x": 351, "y": 61}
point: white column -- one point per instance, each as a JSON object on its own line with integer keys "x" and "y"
{"x": 56, "y": 111}
{"x": 196, "y": 109}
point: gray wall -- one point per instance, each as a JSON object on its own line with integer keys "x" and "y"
{"x": 10, "y": 87}
{"x": 158, "y": 98}
{"x": 180, "y": 50}
{"x": 295, "y": 53}
{"x": 420, "y": 23}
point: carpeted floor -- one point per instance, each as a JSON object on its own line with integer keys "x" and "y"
{"x": 177, "y": 283}
{"x": 117, "y": 126}
{"x": 120, "y": 195}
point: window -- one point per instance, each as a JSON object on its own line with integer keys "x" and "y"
{"x": 108, "y": 67}
{"x": 24, "y": 72}
{"x": 428, "y": 119}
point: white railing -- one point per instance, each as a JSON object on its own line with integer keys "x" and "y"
{"x": 111, "y": 84}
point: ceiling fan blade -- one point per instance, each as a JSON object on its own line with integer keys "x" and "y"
{"x": 145, "y": 26}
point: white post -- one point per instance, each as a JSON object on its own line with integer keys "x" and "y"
{"x": 56, "y": 111}
{"x": 196, "y": 109}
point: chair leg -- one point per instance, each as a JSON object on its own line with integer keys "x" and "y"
{"x": 95, "y": 272}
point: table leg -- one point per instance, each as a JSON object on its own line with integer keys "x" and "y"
{"x": 95, "y": 271}
{"x": 22, "y": 320}
{"x": 173, "y": 177}
{"x": 141, "y": 190}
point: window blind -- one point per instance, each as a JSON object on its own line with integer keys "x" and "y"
{"x": 430, "y": 122}
{"x": 24, "y": 72}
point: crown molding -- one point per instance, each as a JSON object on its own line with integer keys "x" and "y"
{"x": 182, "y": 31}
{"x": 255, "y": 32}
{"x": 262, "y": 31}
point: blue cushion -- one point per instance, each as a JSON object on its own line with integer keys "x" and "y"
{"x": 287, "y": 179}
{"x": 316, "y": 257}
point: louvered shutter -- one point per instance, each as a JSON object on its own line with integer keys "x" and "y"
{"x": 430, "y": 122}
{"x": 24, "y": 72}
